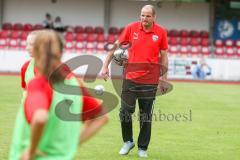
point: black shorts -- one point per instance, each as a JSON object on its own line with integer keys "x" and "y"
{"x": 132, "y": 91}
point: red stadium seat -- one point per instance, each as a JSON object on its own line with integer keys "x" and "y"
{"x": 69, "y": 42}
{"x": 194, "y": 34}
{"x": 15, "y": 34}
{"x": 229, "y": 43}
{"x": 18, "y": 27}
{"x": 22, "y": 44}
{"x": 13, "y": 42}
{"x": 27, "y": 27}
{"x": 205, "y": 50}
{"x": 230, "y": 51}
{"x": 7, "y": 26}
{"x": 173, "y": 33}
{"x": 4, "y": 39}
{"x": 88, "y": 30}
{"x": 183, "y": 33}
{"x": 184, "y": 41}
{"x": 23, "y": 40}
{"x": 80, "y": 43}
{"x": 204, "y": 42}
{"x": 24, "y": 35}
{"x": 194, "y": 42}
{"x": 91, "y": 44}
{"x": 4, "y": 34}
{"x": 219, "y": 51}
{"x": 79, "y": 29}
{"x": 111, "y": 38}
{"x": 98, "y": 30}
{"x": 80, "y": 46}
{"x": 69, "y": 46}
{"x": 38, "y": 27}
{"x": 184, "y": 50}
{"x": 238, "y": 52}
{"x": 204, "y": 34}
{"x": 173, "y": 49}
{"x": 195, "y": 50}
{"x": 100, "y": 47}
{"x": 218, "y": 43}
{"x": 90, "y": 47}
{"x": 80, "y": 37}
{"x": 91, "y": 38}
{"x": 69, "y": 36}
{"x": 173, "y": 40}
{"x": 237, "y": 43}
{"x": 100, "y": 38}
{"x": 113, "y": 30}
{"x": 3, "y": 43}
{"x": 100, "y": 43}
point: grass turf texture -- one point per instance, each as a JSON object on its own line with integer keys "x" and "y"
{"x": 213, "y": 133}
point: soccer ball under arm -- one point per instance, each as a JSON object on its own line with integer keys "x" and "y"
{"x": 120, "y": 56}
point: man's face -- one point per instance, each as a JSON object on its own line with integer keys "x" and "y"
{"x": 147, "y": 18}
{"x": 30, "y": 43}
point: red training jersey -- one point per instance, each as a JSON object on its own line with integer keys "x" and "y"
{"x": 144, "y": 53}
{"x": 39, "y": 96}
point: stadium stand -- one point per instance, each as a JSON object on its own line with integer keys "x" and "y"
{"x": 189, "y": 43}
{"x": 69, "y": 41}
{"x": 92, "y": 39}
{"x": 13, "y": 42}
{"x": 237, "y": 44}
{"x": 4, "y": 39}
{"x": 226, "y": 49}
{"x": 100, "y": 39}
{"x": 23, "y": 38}
{"x": 80, "y": 42}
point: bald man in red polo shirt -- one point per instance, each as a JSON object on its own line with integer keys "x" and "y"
{"x": 148, "y": 52}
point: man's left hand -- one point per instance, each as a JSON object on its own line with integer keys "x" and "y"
{"x": 162, "y": 85}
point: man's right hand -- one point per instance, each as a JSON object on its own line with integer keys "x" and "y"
{"x": 105, "y": 73}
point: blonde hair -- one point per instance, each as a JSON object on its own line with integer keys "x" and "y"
{"x": 33, "y": 33}
{"x": 47, "y": 51}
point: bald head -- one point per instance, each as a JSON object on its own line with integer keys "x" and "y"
{"x": 148, "y": 16}
{"x": 149, "y": 8}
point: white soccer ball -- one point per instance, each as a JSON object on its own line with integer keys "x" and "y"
{"x": 119, "y": 56}
{"x": 99, "y": 89}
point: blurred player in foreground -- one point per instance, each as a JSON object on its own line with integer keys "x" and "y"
{"x": 39, "y": 133}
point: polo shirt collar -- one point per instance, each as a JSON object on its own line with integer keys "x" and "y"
{"x": 151, "y": 31}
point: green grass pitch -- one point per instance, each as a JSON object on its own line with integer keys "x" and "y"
{"x": 210, "y": 132}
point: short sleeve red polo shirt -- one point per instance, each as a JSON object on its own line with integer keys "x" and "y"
{"x": 143, "y": 55}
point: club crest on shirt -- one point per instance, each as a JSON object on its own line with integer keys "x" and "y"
{"x": 135, "y": 35}
{"x": 154, "y": 38}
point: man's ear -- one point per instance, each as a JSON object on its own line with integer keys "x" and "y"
{"x": 155, "y": 17}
